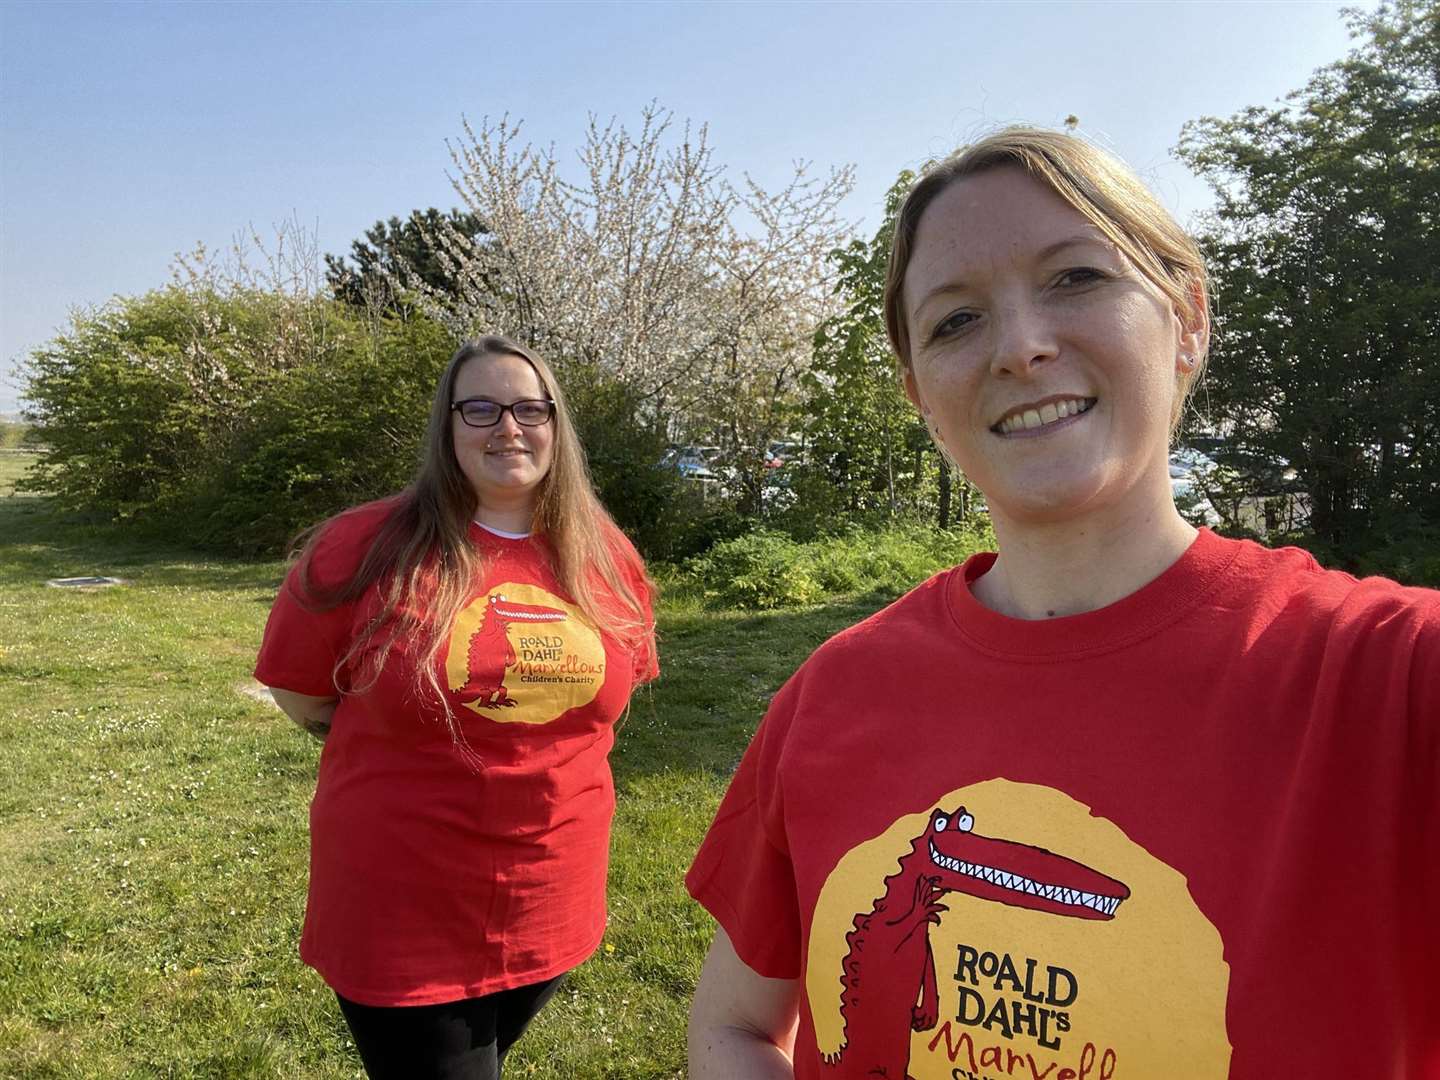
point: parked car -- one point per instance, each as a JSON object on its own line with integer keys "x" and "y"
{"x": 1188, "y": 471}
{"x": 1263, "y": 474}
{"x": 781, "y": 452}
{"x": 693, "y": 462}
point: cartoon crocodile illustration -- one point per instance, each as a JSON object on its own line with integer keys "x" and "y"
{"x": 491, "y": 652}
{"x": 889, "y": 963}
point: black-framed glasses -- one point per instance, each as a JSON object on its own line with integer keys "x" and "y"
{"x": 482, "y": 412}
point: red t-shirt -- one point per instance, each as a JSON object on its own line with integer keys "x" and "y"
{"x": 1195, "y": 833}
{"x": 432, "y": 880}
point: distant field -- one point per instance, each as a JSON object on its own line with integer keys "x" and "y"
{"x": 152, "y": 824}
{"x": 12, "y": 434}
{"x": 13, "y": 465}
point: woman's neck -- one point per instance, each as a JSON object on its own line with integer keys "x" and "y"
{"x": 1050, "y": 570}
{"x": 517, "y": 518}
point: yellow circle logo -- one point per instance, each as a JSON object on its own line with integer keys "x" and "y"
{"x": 520, "y": 654}
{"x": 1009, "y": 932}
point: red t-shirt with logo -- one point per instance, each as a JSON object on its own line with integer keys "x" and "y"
{"x": 434, "y": 879}
{"x": 1194, "y": 834}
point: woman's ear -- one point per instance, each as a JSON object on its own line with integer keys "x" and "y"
{"x": 912, "y": 391}
{"x": 1194, "y": 330}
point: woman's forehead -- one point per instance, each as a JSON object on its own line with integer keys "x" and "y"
{"x": 995, "y": 217}
{"x": 497, "y": 372}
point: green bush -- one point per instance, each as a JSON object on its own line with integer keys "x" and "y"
{"x": 324, "y": 437}
{"x": 668, "y": 517}
{"x": 760, "y": 570}
{"x": 231, "y": 420}
{"x": 764, "y": 570}
{"x": 1410, "y": 556}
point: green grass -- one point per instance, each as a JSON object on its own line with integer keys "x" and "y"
{"x": 152, "y": 823}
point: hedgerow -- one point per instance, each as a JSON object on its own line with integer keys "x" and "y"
{"x": 764, "y": 570}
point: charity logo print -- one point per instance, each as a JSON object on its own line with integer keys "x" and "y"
{"x": 1007, "y": 932}
{"x": 520, "y": 654}
{"x": 890, "y": 959}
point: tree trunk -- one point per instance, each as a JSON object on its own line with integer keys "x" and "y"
{"x": 890, "y": 475}
{"x": 944, "y": 493}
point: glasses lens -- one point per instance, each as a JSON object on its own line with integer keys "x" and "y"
{"x": 531, "y": 413}
{"x": 480, "y": 413}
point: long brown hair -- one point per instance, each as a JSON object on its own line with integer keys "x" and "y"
{"x": 428, "y": 567}
{"x": 1094, "y": 183}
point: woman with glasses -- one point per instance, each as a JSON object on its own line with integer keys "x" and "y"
{"x": 463, "y": 648}
{"x": 1126, "y": 799}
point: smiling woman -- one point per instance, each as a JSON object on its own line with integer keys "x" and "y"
{"x": 1049, "y": 370}
{"x": 1150, "y": 724}
{"x": 505, "y": 437}
{"x": 464, "y": 649}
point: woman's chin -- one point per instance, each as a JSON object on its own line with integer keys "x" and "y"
{"x": 507, "y": 489}
{"x": 1049, "y": 504}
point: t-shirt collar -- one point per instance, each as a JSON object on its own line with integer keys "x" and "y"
{"x": 1137, "y": 616}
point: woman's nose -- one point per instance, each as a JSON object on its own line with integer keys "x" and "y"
{"x": 508, "y": 424}
{"x": 1022, "y": 339}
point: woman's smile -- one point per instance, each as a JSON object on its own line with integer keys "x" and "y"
{"x": 1042, "y": 417}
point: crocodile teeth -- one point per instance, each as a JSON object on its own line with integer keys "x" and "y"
{"x": 1106, "y": 905}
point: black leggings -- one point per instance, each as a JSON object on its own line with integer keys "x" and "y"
{"x": 459, "y": 1040}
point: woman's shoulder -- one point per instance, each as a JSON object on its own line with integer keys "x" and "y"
{"x": 628, "y": 562}
{"x": 339, "y": 544}
{"x": 895, "y": 628}
{"x": 1294, "y": 577}
{"x": 1364, "y": 623}
{"x": 623, "y": 550}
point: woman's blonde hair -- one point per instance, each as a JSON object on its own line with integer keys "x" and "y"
{"x": 428, "y": 566}
{"x": 1101, "y": 188}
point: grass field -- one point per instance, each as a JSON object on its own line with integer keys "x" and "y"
{"x": 152, "y": 823}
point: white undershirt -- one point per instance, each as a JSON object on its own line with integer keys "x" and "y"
{"x": 502, "y": 532}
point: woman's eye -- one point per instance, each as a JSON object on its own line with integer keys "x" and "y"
{"x": 952, "y": 323}
{"x": 1080, "y": 275}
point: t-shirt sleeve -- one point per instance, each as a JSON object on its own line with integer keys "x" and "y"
{"x": 302, "y": 645}
{"x": 1425, "y": 672}
{"x": 1422, "y": 952}
{"x": 742, "y": 873}
{"x": 645, "y": 659}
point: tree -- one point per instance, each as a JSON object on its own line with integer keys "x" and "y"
{"x": 1323, "y": 251}
{"x": 649, "y": 268}
{"x": 868, "y": 450}
{"x": 235, "y": 406}
{"x": 364, "y": 279}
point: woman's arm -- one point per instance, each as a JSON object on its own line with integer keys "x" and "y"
{"x": 311, "y": 713}
{"x": 742, "y": 1025}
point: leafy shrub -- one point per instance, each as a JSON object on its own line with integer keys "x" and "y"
{"x": 323, "y": 437}
{"x": 125, "y": 404}
{"x": 760, "y": 570}
{"x": 233, "y": 417}
{"x": 667, "y": 516}
{"x": 768, "y": 570}
{"x": 230, "y": 419}
{"x": 1411, "y": 556}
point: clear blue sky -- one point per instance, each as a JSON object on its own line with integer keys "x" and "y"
{"x": 130, "y": 131}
